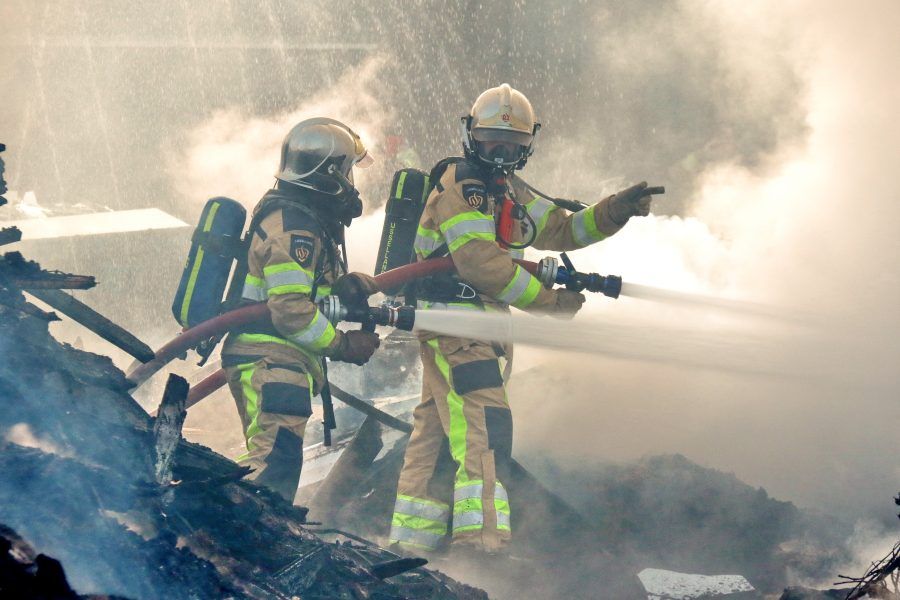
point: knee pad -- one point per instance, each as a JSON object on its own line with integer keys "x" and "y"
{"x": 500, "y": 432}
{"x": 286, "y": 399}
{"x": 476, "y": 375}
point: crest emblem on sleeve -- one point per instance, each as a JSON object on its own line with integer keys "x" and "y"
{"x": 302, "y": 249}
{"x": 474, "y": 195}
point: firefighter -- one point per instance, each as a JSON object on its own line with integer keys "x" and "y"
{"x": 296, "y": 253}
{"x": 483, "y": 215}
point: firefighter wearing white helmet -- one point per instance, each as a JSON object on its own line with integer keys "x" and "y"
{"x": 483, "y": 215}
{"x": 274, "y": 369}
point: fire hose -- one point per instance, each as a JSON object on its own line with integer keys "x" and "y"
{"x": 548, "y": 271}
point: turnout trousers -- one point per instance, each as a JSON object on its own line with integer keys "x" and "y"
{"x": 273, "y": 393}
{"x": 463, "y": 407}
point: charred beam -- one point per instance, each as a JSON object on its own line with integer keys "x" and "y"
{"x": 389, "y": 568}
{"x": 349, "y": 470}
{"x": 9, "y": 235}
{"x": 370, "y": 411}
{"x": 27, "y": 275}
{"x": 167, "y": 427}
{"x": 85, "y": 315}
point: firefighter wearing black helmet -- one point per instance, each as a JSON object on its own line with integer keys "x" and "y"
{"x": 483, "y": 215}
{"x": 295, "y": 255}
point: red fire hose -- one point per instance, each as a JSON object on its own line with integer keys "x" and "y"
{"x": 256, "y": 312}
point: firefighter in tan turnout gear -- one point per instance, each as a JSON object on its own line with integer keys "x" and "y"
{"x": 295, "y": 255}
{"x": 483, "y": 215}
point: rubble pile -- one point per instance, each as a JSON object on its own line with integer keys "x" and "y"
{"x": 77, "y": 481}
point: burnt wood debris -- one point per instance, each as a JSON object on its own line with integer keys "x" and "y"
{"x": 129, "y": 508}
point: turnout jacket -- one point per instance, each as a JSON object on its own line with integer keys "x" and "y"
{"x": 290, "y": 249}
{"x": 462, "y": 214}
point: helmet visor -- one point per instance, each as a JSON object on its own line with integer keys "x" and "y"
{"x": 503, "y": 135}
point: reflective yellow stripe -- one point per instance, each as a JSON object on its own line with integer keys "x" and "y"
{"x": 584, "y": 227}
{"x": 426, "y": 241}
{"x": 521, "y": 290}
{"x": 251, "y": 404}
{"x": 195, "y": 269}
{"x": 458, "y": 425}
{"x": 461, "y": 229}
{"x": 400, "y": 182}
{"x": 315, "y": 336}
{"x": 540, "y": 210}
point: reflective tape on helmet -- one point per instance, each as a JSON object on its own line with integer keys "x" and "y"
{"x": 521, "y": 290}
{"x": 288, "y": 278}
{"x": 461, "y": 229}
{"x": 584, "y": 227}
{"x": 317, "y": 335}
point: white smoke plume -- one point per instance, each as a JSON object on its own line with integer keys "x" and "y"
{"x": 817, "y": 231}
{"x": 809, "y": 228}
{"x": 236, "y": 155}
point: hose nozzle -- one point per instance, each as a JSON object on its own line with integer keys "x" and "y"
{"x": 549, "y": 273}
{"x": 400, "y": 317}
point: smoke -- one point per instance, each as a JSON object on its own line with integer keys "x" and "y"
{"x": 788, "y": 195}
{"x": 236, "y": 155}
{"x": 814, "y": 231}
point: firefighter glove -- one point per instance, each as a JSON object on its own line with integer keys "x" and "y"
{"x": 356, "y": 347}
{"x": 567, "y": 303}
{"x": 354, "y": 289}
{"x": 630, "y": 202}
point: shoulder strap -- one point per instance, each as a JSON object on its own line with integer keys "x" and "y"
{"x": 440, "y": 168}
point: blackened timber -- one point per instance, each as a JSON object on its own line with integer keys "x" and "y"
{"x": 349, "y": 470}
{"x": 167, "y": 427}
{"x": 370, "y": 411}
{"x": 82, "y": 313}
{"x": 9, "y": 235}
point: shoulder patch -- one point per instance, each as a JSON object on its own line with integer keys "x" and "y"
{"x": 303, "y": 247}
{"x": 475, "y": 195}
{"x": 294, "y": 219}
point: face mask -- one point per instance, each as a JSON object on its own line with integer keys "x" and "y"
{"x": 500, "y": 154}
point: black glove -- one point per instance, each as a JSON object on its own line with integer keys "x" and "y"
{"x": 632, "y": 202}
{"x": 356, "y": 347}
{"x": 354, "y": 289}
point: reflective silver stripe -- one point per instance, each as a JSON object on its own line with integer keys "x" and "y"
{"x": 425, "y": 245}
{"x": 467, "y": 227}
{"x": 517, "y": 287}
{"x": 426, "y": 305}
{"x": 417, "y": 537}
{"x": 420, "y": 509}
{"x": 254, "y": 293}
{"x": 503, "y": 520}
{"x": 538, "y": 208}
{"x": 580, "y": 232}
{"x": 467, "y": 519}
{"x": 315, "y": 330}
{"x": 520, "y": 254}
{"x": 500, "y": 493}
{"x": 288, "y": 278}
{"x": 468, "y": 491}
